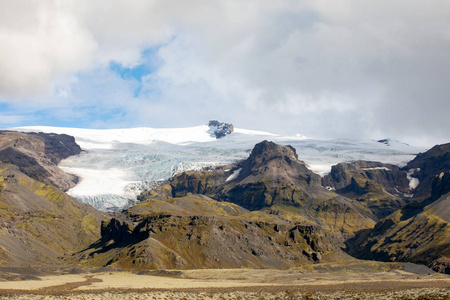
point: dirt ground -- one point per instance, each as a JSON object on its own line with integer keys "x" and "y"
{"x": 233, "y": 284}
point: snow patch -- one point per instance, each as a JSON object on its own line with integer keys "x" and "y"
{"x": 413, "y": 182}
{"x": 234, "y": 175}
{"x": 376, "y": 168}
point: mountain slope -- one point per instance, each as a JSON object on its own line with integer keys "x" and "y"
{"x": 418, "y": 232}
{"x": 197, "y": 232}
{"x": 39, "y": 222}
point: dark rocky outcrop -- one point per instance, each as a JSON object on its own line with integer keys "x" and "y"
{"x": 219, "y": 240}
{"x": 389, "y": 177}
{"x": 58, "y": 146}
{"x": 427, "y": 165}
{"x": 220, "y": 129}
{"x": 383, "y": 188}
{"x": 116, "y": 230}
{"x": 37, "y": 155}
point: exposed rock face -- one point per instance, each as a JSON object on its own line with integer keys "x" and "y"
{"x": 388, "y": 142}
{"x": 116, "y": 230}
{"x": 384, "y": 188}
{"x": 37, "y": 155}
{"x": 59, "y": 146}
{"x": 390, "y": 177}
{"x": 219, "y": 240}
{"x": 428, "y": 165}
{"x": 272, "y": 174}
{"x": 220, "y": 129}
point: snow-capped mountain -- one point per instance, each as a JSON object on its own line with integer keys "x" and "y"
{"x": 117, "y": 164}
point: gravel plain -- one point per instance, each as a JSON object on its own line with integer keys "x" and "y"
{"x": 231, "y": 284}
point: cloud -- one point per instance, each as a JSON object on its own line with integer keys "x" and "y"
{"x": 322, "y": 68}
{"x": 39, "y": 42}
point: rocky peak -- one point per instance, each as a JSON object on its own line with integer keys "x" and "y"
{"x": 37, "y": 155}
{"x": 220, "y": 129}
{"x": 277, "y": 162}
{"x": 266, "y": 151}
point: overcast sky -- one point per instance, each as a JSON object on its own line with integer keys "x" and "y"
{"x": 348, "y": 68}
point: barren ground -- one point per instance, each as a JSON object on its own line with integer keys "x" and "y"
{"x": 319, "y": 282}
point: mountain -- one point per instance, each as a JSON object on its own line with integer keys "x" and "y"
{"x": 419, "y": 231}
{"x": 118, "y": 164}
{"x": 37, "y": 155}
{"x": 197, "y": 232}
{"x": 267, "y": 210}
{"x": 39, "y": 223}
{"x": 273, "y": 180}
{"x": 383, "y": 188}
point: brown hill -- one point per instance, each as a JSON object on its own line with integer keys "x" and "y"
{"x": 39, "y": 223}
{"x": 197, "y": 232}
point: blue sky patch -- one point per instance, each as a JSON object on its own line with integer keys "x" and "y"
{"x": 150, "y": 63}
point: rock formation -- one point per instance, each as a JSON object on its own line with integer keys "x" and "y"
{"x": 202, "y": 233}
{"x": 220, "y": 129}
{"x": 37, "y": 155}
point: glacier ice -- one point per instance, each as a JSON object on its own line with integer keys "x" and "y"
{"x": 117, "y": 164}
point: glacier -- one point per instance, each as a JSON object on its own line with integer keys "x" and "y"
{"x": 116, "y": 165}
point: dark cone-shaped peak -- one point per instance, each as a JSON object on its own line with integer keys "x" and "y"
{"x": 266, "y": 149}
{"x": 275, "y": 162}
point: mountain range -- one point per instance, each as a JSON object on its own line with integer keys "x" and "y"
{"x": 116, "y": 165}
{"x": 281, "y": 203}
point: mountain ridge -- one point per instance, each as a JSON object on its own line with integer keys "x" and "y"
{"x": 118, "y": 164}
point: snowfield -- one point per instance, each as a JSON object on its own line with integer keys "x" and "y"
{"x": 117, "y": 164}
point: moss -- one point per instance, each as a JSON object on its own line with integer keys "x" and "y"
{"x": 45, "y": 191}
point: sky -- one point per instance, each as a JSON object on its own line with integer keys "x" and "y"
{"x": 325, "y": 69}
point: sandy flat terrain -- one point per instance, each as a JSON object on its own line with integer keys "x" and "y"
{"x": 232, "y": 284}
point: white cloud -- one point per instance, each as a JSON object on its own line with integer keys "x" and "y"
{"x": 39, "y": 41}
